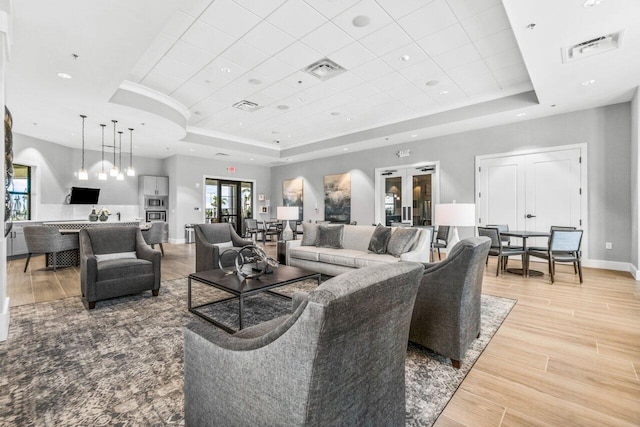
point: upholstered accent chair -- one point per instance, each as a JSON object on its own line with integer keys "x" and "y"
{"x": 446, "y": 316}
{"x": 47, "y": 240}
{"x": 212, "y": 240}
{"x": 116, "y": 261}
{"x": 338, "y": 359}
{"x": 154, "y": 235}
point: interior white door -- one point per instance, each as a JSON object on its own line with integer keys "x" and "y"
{"x": 531, "y": 191}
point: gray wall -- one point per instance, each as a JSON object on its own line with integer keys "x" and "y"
{"x": 635, "y": 181}
{"x": 186, "y": 187}
{"x": 606, "y": 130}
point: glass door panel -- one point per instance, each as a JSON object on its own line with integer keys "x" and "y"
{"x": 228, "y": 201}
{"x": 421, "y": 200}
{"x": 392, "y": 199}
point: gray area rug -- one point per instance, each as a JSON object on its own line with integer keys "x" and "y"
{"x": 121, "y": 364}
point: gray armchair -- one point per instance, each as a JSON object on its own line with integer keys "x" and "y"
{"x": 338, "y": 359}
{"x": 47, "y": 240}
{"x": 155, "y": 235}
{"x": 446, "y": 316}
{"x": 108, "y": 268}
{"x": 208, "y": 236}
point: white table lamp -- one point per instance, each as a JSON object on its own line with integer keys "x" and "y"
{"x": 455, "y": 215}
{"x": 287, "y": 213}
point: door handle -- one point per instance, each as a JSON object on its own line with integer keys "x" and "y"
{"x": 404, "y": 213}
{"x": 530, "y": 216}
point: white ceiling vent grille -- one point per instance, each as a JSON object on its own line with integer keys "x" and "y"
{"x": 592, "y": 47}
{"x": 245, "y": 105}
{"x": 324, "y": 69}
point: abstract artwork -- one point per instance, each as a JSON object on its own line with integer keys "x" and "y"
{"x": 337, "y": 198}
{"x": 292, "y": 194}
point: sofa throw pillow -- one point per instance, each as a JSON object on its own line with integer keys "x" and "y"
{"x": 402, "y": 240}
{"x": 310, "y": 234}
{"x": 330, "y": 236}
{"x": 115, "y": 255}
{"x": 380, "y": 239}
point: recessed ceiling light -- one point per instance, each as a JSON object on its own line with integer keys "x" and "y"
{"x": 239, "y": 123}
{"x": 300, "y": 99}
{"x": 336, "y": 113}
{"x": 414, "y": 135}
{"x": 361, "y": 21}
{"x": 405, "y": 58}
{"x": 64, "y": 76}
{"x": 289, "y": 136}
{"x": 192, "y": 150}
{"x": 225, "y": 69}
{"x": 591, "y": 3}
{"x": 443, "y": 92}
{"x": 521, "y": 114}
{"x": 288, "y": 160}
{"x": 348, "y": 119}
{"x": 255, "y": 81}
{"x": 432, "y": 83}
{"x": 345, "y": 149}
{"x": 588, "y": 82}
{"x": 251, "y": 159}
{"x": 274, "y": 132}
{"x": 282, "y": 107}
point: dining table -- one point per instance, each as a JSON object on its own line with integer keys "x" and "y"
{"x": 524, "y": 235}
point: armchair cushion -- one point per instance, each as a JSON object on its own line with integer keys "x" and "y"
{"x": 119, "y": 268}
{"x": 380, "y": 239}
{"x": 402, "y": 241}
{"x": 115, "y": 255}
{"x": 330, "y": 236}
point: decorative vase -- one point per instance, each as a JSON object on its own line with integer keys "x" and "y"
{"x": 104, "y": 217}
{"x": 93, "y": 216}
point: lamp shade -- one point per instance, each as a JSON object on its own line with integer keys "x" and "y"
{"x": 287, "y": 212}
{"x": 456, "y": 214}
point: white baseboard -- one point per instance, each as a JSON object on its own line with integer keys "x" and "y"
{"x": 612, "y": 265}
{"x": 176, "y": 241}
{"x": 634, "y": 271}
{"x": 4, "y": 320}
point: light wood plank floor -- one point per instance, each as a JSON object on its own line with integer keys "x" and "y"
{"x": 568, "y": 354}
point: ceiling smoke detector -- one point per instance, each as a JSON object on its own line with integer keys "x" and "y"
{"x": 592, "y": 47}
{"x": 324, "y": 69}
{"x": 245, "y": 105}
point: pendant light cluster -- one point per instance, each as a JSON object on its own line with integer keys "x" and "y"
{"x": 116, "y": 171}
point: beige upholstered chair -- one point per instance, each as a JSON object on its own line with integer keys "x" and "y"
{"x": 47, "y": 240}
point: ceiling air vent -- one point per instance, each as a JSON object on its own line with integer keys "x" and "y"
{"x": 324, "y": 69}
{"x": 592, "y": 47}
{"x": 221, "y": 154}
{"x": 245, "y": 105}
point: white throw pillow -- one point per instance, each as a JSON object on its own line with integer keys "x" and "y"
{"x": 115, "y": 255}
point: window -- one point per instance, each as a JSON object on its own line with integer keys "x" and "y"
{"x": 20, "y": 193}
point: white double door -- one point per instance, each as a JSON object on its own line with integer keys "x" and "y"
{"x": 531, "y": 192}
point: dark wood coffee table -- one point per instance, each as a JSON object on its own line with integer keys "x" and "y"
{"x": 241, "y": 288}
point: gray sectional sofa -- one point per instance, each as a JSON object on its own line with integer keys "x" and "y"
{"x": 355, "y": 253}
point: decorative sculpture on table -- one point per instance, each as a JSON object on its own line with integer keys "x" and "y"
{"x": 249, "y": 256}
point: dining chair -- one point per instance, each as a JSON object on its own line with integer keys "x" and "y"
{"x": 564, "y": 247}
{"x": 47, "y": 240}
{"x": 506, "y": 240}
{"x": 500, "y": 251}
{"x": 551, "y": 230}
{"x": 441, "y": 240}
{"x": 251, "y": 228}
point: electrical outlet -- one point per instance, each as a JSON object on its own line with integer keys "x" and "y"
{"x": 608, "y": 245}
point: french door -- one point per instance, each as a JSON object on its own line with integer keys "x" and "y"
{"x": 406, "y": 195}
{"x": 228, "y": 201}
{"x": 531, "y": 191}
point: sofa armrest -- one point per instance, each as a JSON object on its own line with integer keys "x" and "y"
{"x": 88, "y": 266}
{"x": 291, "y": 244}
{"x": 144, "y": 251}
{"x": 422, "y": 250}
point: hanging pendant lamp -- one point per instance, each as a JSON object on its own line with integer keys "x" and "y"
{"x": 83, "y": 175}
{"x": 130, "y": 170}
{"x": 102, "y": 176}
{"x": 114, "y": 169}
{"x": 120, "y": 174}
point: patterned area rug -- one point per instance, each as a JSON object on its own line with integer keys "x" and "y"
{"x": 121, "y": 364}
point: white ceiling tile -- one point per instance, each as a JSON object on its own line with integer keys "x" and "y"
{"x": 299, "y": 100}
{"x": 300, "y": 81}
{"x": 486, "y": 23}
{"x": 454, "y": 97}
{"x": 189, "y": 54}
{"x": 268, "y": 38}
{"x": 195, "y": 7}
{"x": 469, "y": 72}
{"x": 275, "y": 68}
{"x": 478, "y": 87}
{"x": 299, "y": 56}
{"x": 162, "y": 43}
{"x": 386, "y": 39}
{"x": 362, "y": 91}
{"x": 343, "y": 81}
{"x": 398, "y": 9}
{"x": 208, "y": 38}
{"x": 390, "y": 81}
{"x": 230, "y": 17}
{"x": 413, "y": 51}
{"x": 331, "y": 8}
{"x": 317, "y": 92}
{"x": 209, "y": 106}
{"x": 178, "y": 24}
{"x": 466, "y": 8}
{"x": 216, "y": 72}
{"x": 327, "y": 39}
{"x": 512, "y": 75}
{"x": 351, "y": 56}
{"x": 444, "y": 40}
{"x": 261, "y": 98}
{"x": 176, "y": 69}
{"x": 496, "y": 43}
{"x": 296, "y": 18}
{"x": 444, "y": 84}
{"x": 378, "y": 19}
{"x": 191, "y": 93}
{"x": 145, "y": 64}
{"x": 504, "y": 59}
{"x": 372, "y": 70}
{"x": 427, "y": 20}
{"x": 233, "y": 92}
{"x": 257, "y": 80}
{"x": 262, "y": 8}
{"x": 419, "y": 102}
{"x": 457, "y": 57}
{"x": 422, "y": 72}
{"x": 162, "y": 82}
{"x": 278, "y": 91}
{"x": 242, "y": 54}
{"x": 403, "y": 90}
